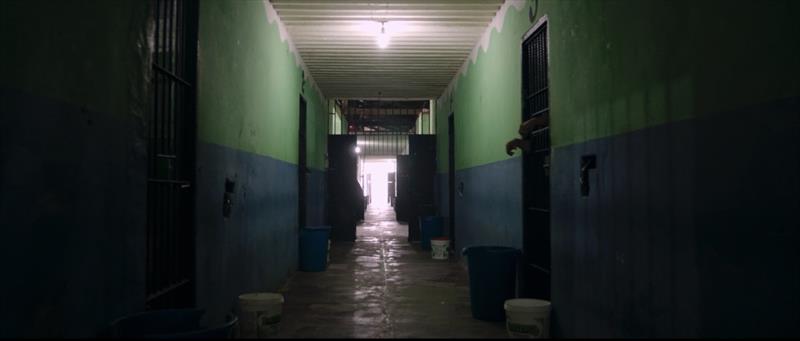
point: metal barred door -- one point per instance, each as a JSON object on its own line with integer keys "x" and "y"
{"x": 536, "y": 163}
{"x": 171, "y": 134}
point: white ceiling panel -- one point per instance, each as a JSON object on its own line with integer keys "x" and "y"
{"x": 429, "y": 41}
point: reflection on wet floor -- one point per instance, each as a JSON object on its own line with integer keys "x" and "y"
{"x": 382, "y": 287}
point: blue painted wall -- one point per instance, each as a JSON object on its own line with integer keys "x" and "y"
{"x": 72, "y": 196}
{"x": 675, "y": 242}
{"x": 441, "y": 196}
{"x": 623, "y": 258}
{"x": 315, "y": 198}
{"x": 256, "y": 248}
{"x": 490, "y": 210}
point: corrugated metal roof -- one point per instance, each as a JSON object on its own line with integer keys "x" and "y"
{"x": 430, "y": 40}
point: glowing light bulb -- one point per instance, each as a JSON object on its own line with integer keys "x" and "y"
{"x": 358, "y": 149}
{"x": 383, "y": 38}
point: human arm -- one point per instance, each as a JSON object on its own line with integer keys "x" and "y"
{"x": 532, "y": 124}
{"x": 523, "y": 145}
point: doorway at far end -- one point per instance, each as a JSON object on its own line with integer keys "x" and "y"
{"x": 377, "y": 180}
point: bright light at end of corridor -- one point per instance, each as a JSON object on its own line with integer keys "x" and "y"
{"x": 383, "y": 38}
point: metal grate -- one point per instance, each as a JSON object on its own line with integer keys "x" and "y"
{"x": 382, "y": 126}
{"x": 536, "y": 95}
{"x": 535, "y": 85}
{"x": 170, "y": 233}
{"x": 536, "y": 166}
{"x": 383, "y": 115}
{"x": 382, "y": 143}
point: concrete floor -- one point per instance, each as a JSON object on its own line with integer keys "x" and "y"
{"x": 382, "y": 287}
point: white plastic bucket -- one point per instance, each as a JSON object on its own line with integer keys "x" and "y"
{"x": 439, "y": 248}
{"x": 527, "y": 318}
{"x": 259, "y": 314}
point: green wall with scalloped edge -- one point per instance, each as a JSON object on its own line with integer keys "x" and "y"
{"x": 617, "y": 66}
{"x": 249, "y": 85}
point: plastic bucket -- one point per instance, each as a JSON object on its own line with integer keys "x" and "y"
{"x": 527, "y": 318}
{"x": 314, "y": 248}
{"x": 492, "y": 279}
{"x": 439, "y": 247}
{"x": 430, "y": 227}
{"x": 259, "y": 314}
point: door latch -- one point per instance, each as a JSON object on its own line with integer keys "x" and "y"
{"x": 587, "y": 162}
{"x": 227, "y": 198}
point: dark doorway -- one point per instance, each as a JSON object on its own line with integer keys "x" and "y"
{"x": 302, "y": 166}
{"x": 419, "y": 174}
{"x": 170, "y": 247}
{"x": 403, "y": 201}
{"x": 345, "y": 196}
{"x": 451, "y": 177}
{"x": 536, "y": 163}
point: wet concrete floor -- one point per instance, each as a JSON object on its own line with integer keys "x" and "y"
{"x": 381, "y": 286}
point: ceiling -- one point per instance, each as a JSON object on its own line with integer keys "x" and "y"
{"x": 429, "y": 42}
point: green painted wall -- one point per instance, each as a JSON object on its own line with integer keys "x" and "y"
{"x": 334, "y": 118}
{"x": 316, "y": 127}
{"x": 443, "y": 110}
{"x": 338, "y": 123}
{"x": 249, "y": 85}
{"x": 620, "y": 66}
{"x": 423, "y": 124}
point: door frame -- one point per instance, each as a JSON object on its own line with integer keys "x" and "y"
{"x": 451, "y": 177}
{"x": 526, "y": 196}
{"x": 180, "y": 294}
{"x": 302, "y": 162}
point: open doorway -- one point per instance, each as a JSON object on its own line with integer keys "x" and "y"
{"x": 378, "y": 174}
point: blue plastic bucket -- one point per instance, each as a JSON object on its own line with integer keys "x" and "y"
{"x": 492, "y": 279}
{"x": 314, "y": 248}
{"x": 430, "y": 227}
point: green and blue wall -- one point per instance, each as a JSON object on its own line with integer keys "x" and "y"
{"x": 692, "y": 111}
{"x": 249, "y": 85}
{"x": 74, "y": 101}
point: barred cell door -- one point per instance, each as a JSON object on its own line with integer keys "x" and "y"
{"x": 536, "y": 163}
{"x": 171, "y": 135}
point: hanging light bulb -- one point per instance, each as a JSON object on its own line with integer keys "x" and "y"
{"x": 383, "y": 38}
